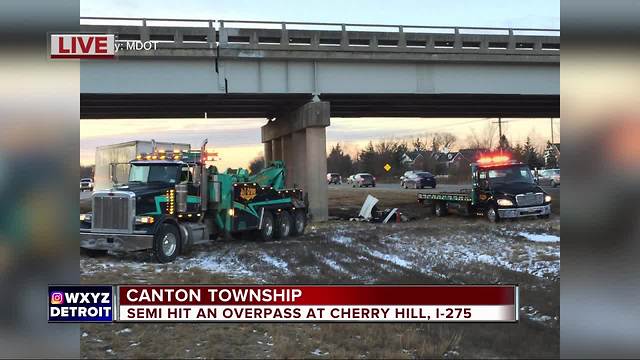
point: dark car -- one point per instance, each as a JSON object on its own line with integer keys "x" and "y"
{"x": 364, "y": 179}
{"x": 419, "y": 180}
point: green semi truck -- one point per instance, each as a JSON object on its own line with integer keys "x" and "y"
{"x": 172, "y": 201}
{"x": 501, "y": 189}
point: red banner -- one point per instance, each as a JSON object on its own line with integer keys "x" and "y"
{"x": 318, "y": 295}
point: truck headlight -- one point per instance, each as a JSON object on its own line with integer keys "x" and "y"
{"x": 505, "y": 202}
{"x": 144, "y": 220}
{"x": 85, "y": 217}
{"x": 547, "y": 198}
{"x": 231, "y": 212}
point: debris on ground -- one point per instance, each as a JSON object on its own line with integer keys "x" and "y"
{"x": 370, "y": 213}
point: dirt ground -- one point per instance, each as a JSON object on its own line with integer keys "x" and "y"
{"x": 428, "y": 250}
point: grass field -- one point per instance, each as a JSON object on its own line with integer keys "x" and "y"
{"x": 426, "y": 250}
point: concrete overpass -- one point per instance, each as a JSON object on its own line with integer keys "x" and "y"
{"x": 298, "y": 75}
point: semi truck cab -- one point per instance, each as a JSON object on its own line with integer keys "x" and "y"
{"x": 172, "y": 201}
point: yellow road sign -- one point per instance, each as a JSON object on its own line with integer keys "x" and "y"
{"x": 387, "y": 167}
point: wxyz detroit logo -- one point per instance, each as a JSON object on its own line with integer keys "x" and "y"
{"x": 135, "y": 45}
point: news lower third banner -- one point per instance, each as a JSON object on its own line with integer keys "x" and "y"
{"x": 283, "y": 303}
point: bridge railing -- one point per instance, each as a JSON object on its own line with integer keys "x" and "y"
{"x": 275, "y": 35}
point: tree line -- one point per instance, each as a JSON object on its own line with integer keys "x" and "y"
{"x": 376, "y": 154}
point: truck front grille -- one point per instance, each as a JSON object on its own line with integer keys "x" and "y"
{"x": 530, "y": 199}
{"x": 111, "y": 212}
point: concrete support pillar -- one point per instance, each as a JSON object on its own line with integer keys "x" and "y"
{"x": 268, "y": 154}
{"x": 276, "y": 148}
{"x": 316, "y": 173}
{"x": 299, "y": 138}
{"x": 287, "y": 157}
{"x": 299, "y": 158}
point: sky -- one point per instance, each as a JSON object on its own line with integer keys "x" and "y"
{"x": 238, "y": 140}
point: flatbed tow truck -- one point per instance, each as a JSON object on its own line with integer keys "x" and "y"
{"x": 501, "y": 189}
{"x": 172, "y": 201}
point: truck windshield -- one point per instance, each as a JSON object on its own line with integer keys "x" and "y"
{"x": 509, "y": 175}
{"x": 148, "y": 173}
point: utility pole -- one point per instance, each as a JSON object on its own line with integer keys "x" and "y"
{"x": 552, "y": 131}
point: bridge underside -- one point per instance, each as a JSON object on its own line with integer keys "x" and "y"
{"x": 120, "y": 106}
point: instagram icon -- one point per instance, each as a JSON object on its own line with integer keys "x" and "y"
{"x": 57, "y": 298}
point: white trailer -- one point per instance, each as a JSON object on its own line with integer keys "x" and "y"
{"x": 120, "y": 155}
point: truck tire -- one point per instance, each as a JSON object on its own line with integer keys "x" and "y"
{"x": 266, "y": 232}
{"x": 283, "y": 225}
{"x": 166, "y": 243}
{"x": 440, "y": 209}
{"x": 299, "y": 223}
{"x": 492, "y": 214}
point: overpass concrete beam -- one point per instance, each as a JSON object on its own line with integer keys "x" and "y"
{"x": 314, "y": 114}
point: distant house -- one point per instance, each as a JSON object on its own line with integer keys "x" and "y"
{"x": 417, "y": 160}
{"x": 464, "y": 157}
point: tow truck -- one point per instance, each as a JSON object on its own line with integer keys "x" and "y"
{"x": 502, "y": 188}
{"x": 173, "y": 201}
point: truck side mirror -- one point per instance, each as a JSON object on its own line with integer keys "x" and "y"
{"x": 113, "y": 173}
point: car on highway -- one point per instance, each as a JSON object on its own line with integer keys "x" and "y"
{"x": 549, "y": 177}
{"x": 363, "y": 180}
{"x": 86, "y": 184}
{"x": 404, "y": 176}
{"x": 419, "y": 180}
{"x": 334, "y": 178}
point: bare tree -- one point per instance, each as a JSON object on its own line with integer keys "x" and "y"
{"x": 483, "y": 139}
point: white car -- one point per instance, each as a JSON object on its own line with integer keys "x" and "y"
{"x": 86, "y": 184}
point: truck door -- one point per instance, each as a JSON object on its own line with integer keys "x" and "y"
{"x": 193, "y": 191}
{"x": 484, "y": 189}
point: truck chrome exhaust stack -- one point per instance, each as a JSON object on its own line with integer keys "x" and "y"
{"x": 181, "y": 198}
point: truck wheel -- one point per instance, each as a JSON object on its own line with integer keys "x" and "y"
{"x": 266, "y": 232}
{"x": 299, "y": 223}
{"x": 440, "y": 209}
{"x": 492, "y": 214}
{"x": 166, "y": 243}
{"x": 283, "y": 225}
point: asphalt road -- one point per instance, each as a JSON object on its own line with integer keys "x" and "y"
{"x": 85, "y": 195}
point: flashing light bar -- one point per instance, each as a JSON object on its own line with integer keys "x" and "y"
{"x": 178, "y": 154}
{"x": 495, "y": 160}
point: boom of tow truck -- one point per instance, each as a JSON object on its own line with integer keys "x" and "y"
{"x": 173, "y": 200}
{"x": 501, "y": 188}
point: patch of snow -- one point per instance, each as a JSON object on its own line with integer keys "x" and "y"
{"x": 123, "y": 331}
{"x": 391, "y": 258}
{"x": 540, "y": 237}
{"x": 318, "y": 352}
{"x": 215, "y": 262}
{"x": 84, "y": 334}
{"x": 341, "y": 239}
{"x": 134, "y": 344}
{"x": 534, "y": 315}
{"x": 275, "y": 262}
{"x": 334, "y": 265}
